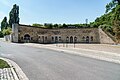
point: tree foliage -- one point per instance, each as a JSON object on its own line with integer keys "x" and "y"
{"x": 4, "y": 23}
{"x": 7, "y": 31}
{"x": 110, "y": 21}
{"x": 116, "y": 22}
{"x": 37, "y": 25}
{"x": 55, "y": 26}
{"x": 52, "y": 26}
{"x": 65, "y": 26}
{"x": 115, "y": 4}
{"x": 13, "y": 18}
{"x": 112, "y": 5}
{"x": 14, "y": 15}
{"x": 1, "y": 34}
{"x": 48, "y": 25}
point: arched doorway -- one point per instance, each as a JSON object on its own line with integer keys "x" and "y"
{"x": 87, "y": 39}
{"x": 27, "y": 37}
{"x": 83, "y": 39}
{"x": 91, "y": 38}
{"x": 56, "y": 39}
{"x": 71, "y": 39}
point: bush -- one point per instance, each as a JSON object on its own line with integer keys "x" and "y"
{"x": 7, "y": 31}
{"x": 1, "y": 34}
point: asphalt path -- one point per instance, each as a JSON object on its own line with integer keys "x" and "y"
{"x": 45, "y": 64}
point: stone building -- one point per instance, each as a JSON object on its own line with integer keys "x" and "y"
{"x": 32, "y": 34}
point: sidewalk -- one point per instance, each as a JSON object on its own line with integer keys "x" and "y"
{"x": 104, "y": 52}
{"x": 7, "y": 74}
{"x": 12, "y": 73}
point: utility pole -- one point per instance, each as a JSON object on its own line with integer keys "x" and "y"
{"x": 86, "y": 21}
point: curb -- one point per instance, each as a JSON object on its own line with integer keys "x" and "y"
{"x": 16, "y": 70}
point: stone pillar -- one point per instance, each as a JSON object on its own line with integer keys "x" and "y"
{"x": 15, "y": 32}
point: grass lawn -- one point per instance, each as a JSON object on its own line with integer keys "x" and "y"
{"x": 3, "y": 64}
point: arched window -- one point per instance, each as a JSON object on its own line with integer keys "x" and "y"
{"x": 67, "y": 39}
{"x": 56, "y": 38}
{"x": 71, "y": 39}
{"x": 87, "y": 39}
{"x": 43, "y": 37}
{"x": 75, "y": 39}
{"x": 52, "y": 38}
{"x": 91, "y": 38}
{"x": 39, "y": 38}
{"x": 59, "y": 38}
{"x": 46, "y": 38}
{"x": 83, "y": 38}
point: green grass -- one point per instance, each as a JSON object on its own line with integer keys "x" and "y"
{"x": 3, "y": 64}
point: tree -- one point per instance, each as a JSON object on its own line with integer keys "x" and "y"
{"x": 55, "y": 25}
{"x": 4, "y": 23}
{"x": 64, "y": 25}
{"x": 14, "y": 15}
{"x": 37, "y": 25}
{"x": 7, "y": 31}
{"x": 112, "y": 5}
{"x": 48, "y": 25}
{"x": 115, "y": 4}
{"x": 116, "y": 23}
{"x": 1, "y": 34}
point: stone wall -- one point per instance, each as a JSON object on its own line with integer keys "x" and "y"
{"x": 78, "y": 35}
{"x": 104, "y": 38}
{"x": 7, "y": 38}
{"x": 14, "y": 37}
{"x": 27, "y": 33}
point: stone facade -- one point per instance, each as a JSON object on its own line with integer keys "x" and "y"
{"x": 27, "y": 33}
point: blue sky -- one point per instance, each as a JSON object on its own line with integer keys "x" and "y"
{"x": 55, "y": 11}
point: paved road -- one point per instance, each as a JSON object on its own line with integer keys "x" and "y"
{"x": 45, "y": 64}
